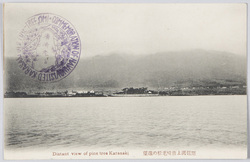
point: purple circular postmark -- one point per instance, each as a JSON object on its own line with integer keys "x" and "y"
{"x": 49, "y": 47}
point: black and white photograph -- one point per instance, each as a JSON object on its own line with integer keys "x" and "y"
{"x": 125, "y": 81}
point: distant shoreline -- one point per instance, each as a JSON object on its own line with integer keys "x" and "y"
{"x": 133, "y": 92}
{"x": 124, "y": 96}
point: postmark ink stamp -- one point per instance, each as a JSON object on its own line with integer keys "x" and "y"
{"x": 49, "y": 48}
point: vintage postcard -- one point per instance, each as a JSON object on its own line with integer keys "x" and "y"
{"x": 125, "y": 81}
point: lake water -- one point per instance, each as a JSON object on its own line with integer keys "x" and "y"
{"x": 126, "y": 122}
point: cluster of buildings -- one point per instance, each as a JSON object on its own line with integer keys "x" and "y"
{"x": 205, "y": 87}
{"x": 66, "y": 93}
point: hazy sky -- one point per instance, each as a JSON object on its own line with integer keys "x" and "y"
{"x": 141, "y": 28}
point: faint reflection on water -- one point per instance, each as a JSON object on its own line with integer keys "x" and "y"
{"x": 126, "y": 122}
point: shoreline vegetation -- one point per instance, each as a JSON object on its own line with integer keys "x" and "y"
{"x": 136, "y": 92}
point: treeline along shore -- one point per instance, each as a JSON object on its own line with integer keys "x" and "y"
{"x": 139, "y": 92}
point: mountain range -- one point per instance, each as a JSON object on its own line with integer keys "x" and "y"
{"x": 159, "y": 70}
